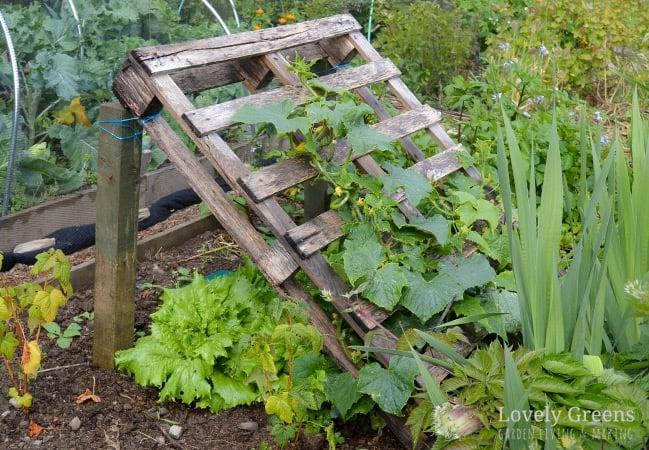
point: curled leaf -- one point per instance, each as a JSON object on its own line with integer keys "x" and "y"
{"x": 35, "y": 429}
{"x": 87, "y": 395}
{"x": 31, "y": 359}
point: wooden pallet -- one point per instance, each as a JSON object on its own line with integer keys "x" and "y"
{"x": 162, "y": 76}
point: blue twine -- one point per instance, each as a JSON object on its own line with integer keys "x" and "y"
{"x": 123, "y": 123}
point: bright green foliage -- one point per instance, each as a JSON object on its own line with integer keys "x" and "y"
{"x": 199, "y": 347}
{"x": 24, "y": 310}
{"x": 390, "y": 388}
{"x": 276, "y": 114}
{"x": 342, "y": 391}
{"x": 565, "y": 313}
{"x": 414, "y": 185}
{"x": 628, "y": 241}
{"x": 427, "y": 298}
{"x": 429, "y": 42}
{"x": 591, "y": 46}
{"x": 495, "y": 382}
{"x": 63, "y": 337}
{"x": 386, "y": 257}
{"x": 232, "y": 341}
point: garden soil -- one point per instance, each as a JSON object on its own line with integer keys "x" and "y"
{"x": 127, "y": 415}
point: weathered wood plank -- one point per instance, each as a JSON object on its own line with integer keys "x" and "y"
{"x": 406, "y": 97}
{"x": 275, "y": 264}
{"x": 315, "y": 234}
{"x": 440, "y": 165}
{"x": 231, "y": 168}
{"x": 273, "y": 179}
{"x": 370, "y": 315}
{"x": 79, "y": 207}
{"x": 118, "y": 171}
{"x": 173, "y": 57}
{"x": 278, "y": 177}
{"x": 341, "y": 50}
{"x": 133, "y": 93}
{"x": 217, "y": 117}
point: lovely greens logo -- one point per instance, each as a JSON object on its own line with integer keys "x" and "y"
{"x": 573, "y": 415}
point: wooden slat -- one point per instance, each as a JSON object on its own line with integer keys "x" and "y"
{"x": 217, "y": 117}
{"x": 405, "y": 96}
{"x": 316, "y": 234}
{"x": 231, "y": 168}
{"x": 256, "y": 75}
{"x": 271, "y": 180}
{"x": 369, "y": 314}
{"x": 440, "y": 165}
{"x": 341, "y": 50}
{"x": 280, "y": 176}
{"x": 274, "y": 263}
{"x": 173, "y": 57}
{"x": 133, "y": 93}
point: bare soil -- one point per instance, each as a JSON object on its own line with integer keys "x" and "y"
{"x": 129, "y": 416}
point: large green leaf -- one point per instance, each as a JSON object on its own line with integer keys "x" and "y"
{"x": 233, "y": 392}
{"x": 277, "y": 114}
{"x": 427, "y": 298}
{"x": 389, "y": 388}
{"x": 385, "y": 286}
{"x": 363, "y": 253}
{"x": 436, "y": 225}
{"x": 342, "y": 391}
{"x": 61, "y": 73}
{"x": 416, "y": 186}
{"x": 8, "y": 345}
{"x": 363, "y": 139}
{"x": 516, "y": 400}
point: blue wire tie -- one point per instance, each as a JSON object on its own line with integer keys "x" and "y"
{"x": 123, "y": 123}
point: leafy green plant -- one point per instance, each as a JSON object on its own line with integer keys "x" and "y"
{"x": 564, "y": 401}
{"x": 629, "y": 237}
{"x": 232, "y": 341}
{"x": 24, "y": 310}
{"x": 405, "y": 36}
{"x": 384, "y": 256}
{"x": 558, "y": 313}
{"x": 590, "y": 48}
{"x": 63, "y": 337}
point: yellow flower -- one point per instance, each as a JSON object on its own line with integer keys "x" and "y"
{"x": 300, "y": 148}
{"x": 282, "y": 20}
{"x": 256, "y": 27}
{"x": 338, "y": 191}
{"x": 290, "y": 17}
{"x": 361, "y": 201}
{"x": 259, "y": 11}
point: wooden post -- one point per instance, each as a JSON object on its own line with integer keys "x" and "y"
{"x": 118, "y": 171}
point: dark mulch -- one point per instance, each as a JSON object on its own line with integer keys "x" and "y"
{"x": 128, "y": 416}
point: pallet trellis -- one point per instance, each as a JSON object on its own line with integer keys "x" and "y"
{"x": 162, "y": 76}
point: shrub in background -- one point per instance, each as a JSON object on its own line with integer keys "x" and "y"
{"x": 430, "y": 44}
{"x": 589, "y": 47}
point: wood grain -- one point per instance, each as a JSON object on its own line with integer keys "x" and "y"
{"x": 118, "y": 171}
{"x": 273, "y": 179}
{"x": 217, "y": 117}
{"x": 164, "y": 59}
{"x": 274, "y": 263}
{"x": 316, "y": 234}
